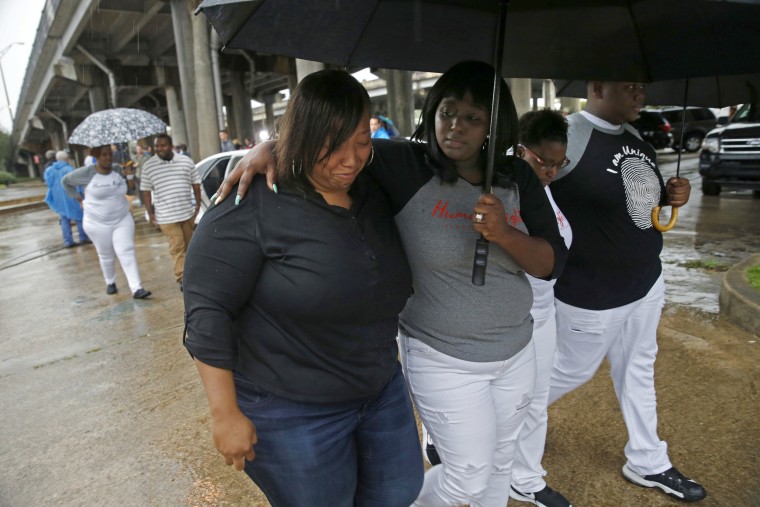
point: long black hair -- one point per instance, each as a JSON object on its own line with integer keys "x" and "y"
{"x": 477, "y": 78}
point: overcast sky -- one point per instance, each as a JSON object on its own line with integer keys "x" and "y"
{"x": 18, "y": 23}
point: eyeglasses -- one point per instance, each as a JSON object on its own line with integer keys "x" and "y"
{"x": 544, "y": 165}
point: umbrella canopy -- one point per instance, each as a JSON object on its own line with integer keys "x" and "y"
{"x": 631, "y": 40}
{"x": 715, "y": 91}
{"x": 116, "y": 126}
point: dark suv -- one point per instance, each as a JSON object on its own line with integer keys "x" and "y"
{"x": 699, "y": 121}
{"x": 654, "y": 128}
{"x": 731, "y": 153}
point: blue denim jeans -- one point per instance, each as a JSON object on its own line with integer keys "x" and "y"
{"x": 68, "y": 238}
{"x": 364, "y": 453}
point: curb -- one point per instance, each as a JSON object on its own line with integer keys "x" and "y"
{"x": 738, "y": 301}
{"x": 6, "y": 209}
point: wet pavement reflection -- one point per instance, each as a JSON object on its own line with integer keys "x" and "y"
{"x": 723, "y": 229}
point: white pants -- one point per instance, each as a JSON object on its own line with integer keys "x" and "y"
{"x": 627, "y": 336}
{"x": 473, "y": 412}
{"x": 115, "y": 240}
{"x": 527, "y": 472}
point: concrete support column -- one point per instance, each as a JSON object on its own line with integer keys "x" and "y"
{"x": 269, "y": 112}
{"x": 306, "y": 67}
{"x": 400, "y": 100}
{"x": 183, "y": 40}
{"x": 521, "y": 94}
{"x": 32, "y": 166}
{"x": 570, "y": 105}
{"x": 241, "y": 103}
{"x": 231, "y": 115}
{"x": 98, "y": 98}
{"x": 176, "y": 117}
{"x": 216, "y": 70}
{"x": 206, "y": 119}
{"x": 56, "y": 139}
{"x": 549, "y": 93}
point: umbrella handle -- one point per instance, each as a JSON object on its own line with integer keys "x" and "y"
{"x": 656, "y": 219}
{"x": 480, "y": 262}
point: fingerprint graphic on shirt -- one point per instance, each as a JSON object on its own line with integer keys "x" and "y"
{"x": 642, "y": 190}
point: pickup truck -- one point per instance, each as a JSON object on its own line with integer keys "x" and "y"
{"x": 731, "y": 153}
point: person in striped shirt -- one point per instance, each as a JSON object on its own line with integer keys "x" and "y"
{"x": 171, "y": 190}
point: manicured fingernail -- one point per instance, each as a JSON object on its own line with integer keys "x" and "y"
{"x": 274, "y": 187}
{"x": 237, "y": 200}
{"x": 218, "y": 200}
{"x": 213, "y": 198}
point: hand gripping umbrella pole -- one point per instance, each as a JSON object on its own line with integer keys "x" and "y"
{"x": 673, "y": 211}
{"x": 480, "y": 261}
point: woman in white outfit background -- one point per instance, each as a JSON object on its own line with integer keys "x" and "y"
{"x": 543, "y": 138}
{"x": 107, "y": 219}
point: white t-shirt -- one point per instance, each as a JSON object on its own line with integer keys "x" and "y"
{"x": 105, "y": 198}
{"x": 543, "y": 290}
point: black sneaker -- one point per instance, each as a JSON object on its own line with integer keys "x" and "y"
{"x": 141, "y": 294}
{"x": 111, "y": 289}
{"x": 671, "y": 481}
{"x": 431, "y": 455}
{"x": 547, "y": 497}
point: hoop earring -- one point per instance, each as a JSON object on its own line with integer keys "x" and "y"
{"x": 293, "y": 169}
{"x": 371, "y": 157}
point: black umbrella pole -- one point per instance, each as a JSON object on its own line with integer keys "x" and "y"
{"x": 683, "y": 126}
{"x": 480, "y": 261}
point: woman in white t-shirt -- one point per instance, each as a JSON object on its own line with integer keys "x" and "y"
{"x": 543, "y": 138}
{"x": 107, "y": 219}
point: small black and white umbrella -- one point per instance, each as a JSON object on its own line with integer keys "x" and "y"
{"x": 118, "y": 125}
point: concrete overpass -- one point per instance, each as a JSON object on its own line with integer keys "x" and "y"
{"x": 154, "y": 55}
{"x": 90, "y": 55}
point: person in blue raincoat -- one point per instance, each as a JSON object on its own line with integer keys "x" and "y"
{"x": 68, "y": 208}
{"x": 382, "y": 127}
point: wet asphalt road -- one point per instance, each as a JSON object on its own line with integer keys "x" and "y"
{"x": 101, "y": 405}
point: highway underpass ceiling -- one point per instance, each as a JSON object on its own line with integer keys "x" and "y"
{"x": 133, "y": 38}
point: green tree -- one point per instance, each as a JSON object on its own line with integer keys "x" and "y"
{"x": 5, "y": 151}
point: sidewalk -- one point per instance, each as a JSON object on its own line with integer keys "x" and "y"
{"x": 22, "y": 197}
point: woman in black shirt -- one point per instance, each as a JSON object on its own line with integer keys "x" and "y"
{"x": 292, "y": 303}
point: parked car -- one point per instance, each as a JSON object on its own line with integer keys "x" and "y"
{"x": 654, "y": 128}
{"x": 731, "y": 153}
{"x": 699, "y": 121}
{"x": 212, "y": 171}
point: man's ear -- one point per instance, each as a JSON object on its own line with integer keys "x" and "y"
{"x": 595, "y": 89}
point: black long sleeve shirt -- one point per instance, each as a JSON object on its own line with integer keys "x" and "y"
{"x": 300, "y": 297}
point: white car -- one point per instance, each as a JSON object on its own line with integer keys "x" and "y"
{"x": 212, "y": 171}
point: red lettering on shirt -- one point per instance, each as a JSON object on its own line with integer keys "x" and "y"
{"x": 441, "y": 211}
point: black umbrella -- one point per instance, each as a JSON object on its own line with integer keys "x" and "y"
{"x": 715, "y": 91}
{"x": 632, "y": 40}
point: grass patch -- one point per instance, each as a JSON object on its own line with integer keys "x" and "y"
{"x": 7, "y": 178}
{"x": 753, "y": 275}
{"x": 708, "y": 265}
